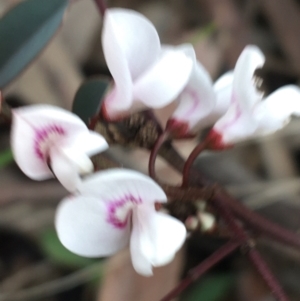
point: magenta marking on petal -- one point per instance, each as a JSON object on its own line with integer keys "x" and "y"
{"x": 43, "y": 138}
{"x": 195, "y": 101}
{"x": 126, "y": 203}
{"x": 237, "y": 112}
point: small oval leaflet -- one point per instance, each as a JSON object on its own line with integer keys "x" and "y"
{"x": 25, "y": 31}
{"x": 87, "y": 101}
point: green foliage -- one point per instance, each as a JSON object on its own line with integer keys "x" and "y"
{"x": 210, "y": 288}
{"x": 88, "y": 98}
{"x": 6, "y": 157}
{"x": 56, "y": 252}
{"x": 24, "y": 32}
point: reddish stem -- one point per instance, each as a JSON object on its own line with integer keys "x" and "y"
{"x": 190, "y": 160}
{"x": 258, "y": 222}
{"x": 253, "y": 254}
{"x": 202, "y": 268}
{"x": 101, "y": 6}
{"x": 267, "y": 275}
{"x": 154, "y": 152}
{"x": 252, "y": 219}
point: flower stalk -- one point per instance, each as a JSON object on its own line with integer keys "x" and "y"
{"x": 101, "y": 6}
{"x": 202, "y": 268}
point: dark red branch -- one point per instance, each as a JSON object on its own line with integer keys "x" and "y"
{"x": 202, "y": 268}
{"x": 267, "y": 275}
{"x": 101, "y": 6}
{"x": 190, "y": 160}
{"x": 253, "y": 254}
{"x": 154, "y": 152}
{"x": 259, "y": 223}
{"x": 250, "y": 218}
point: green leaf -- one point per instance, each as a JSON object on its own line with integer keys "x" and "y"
{"x": 24, "y": 32}
{"x": 210, "y": 288}
{"x": 6, "y": 157}
{"x": 59, "y": 254}
{"x": 88, "y": 98}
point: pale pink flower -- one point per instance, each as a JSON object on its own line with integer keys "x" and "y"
{"x": 250, "y": 114}
{"x": 115, "y": 209}
{"x": 48, "y": 141}
{"x": 144, "y": 75}
{"x": 201, "y": 103}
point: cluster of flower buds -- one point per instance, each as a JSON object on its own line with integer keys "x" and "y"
{"x": 147, "y": 74}
{"x": 109, "y": 210}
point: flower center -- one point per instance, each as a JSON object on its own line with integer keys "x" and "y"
{"x": 45, "y": 138}
{"x": 119, "y": 211}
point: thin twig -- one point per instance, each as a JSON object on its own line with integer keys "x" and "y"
{"x": 253, "y": 254}
{"x": 190, "y": 160}
{"x": 154, "y": 152}
{"x": 202, "y": 268}
{"x": 268, "y": 276}
{"x": 259, "y": 223}
{"x": 249, "y": 217}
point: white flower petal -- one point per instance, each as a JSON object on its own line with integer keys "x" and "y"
{"x": 130, "y": 44}
{"x": 114, "y": 184}
{"x": 140, "y": 240}
{"x": 155, "y": 238}
{"x": 244, "y": 89}
{"x": 83, "y": 229}
{"x": 23, "y": 139}
{"x": 197, "y": 100}
{"x": 224, "y": 82}
{"x": 274, "y": 112}
{"x": 39, "y": 116}
{"x": 186, "y": 48}
{"x": 89, "y": 143}
{"x": 65, "y": 170}
{"x": 162, "y": 83}
{"x": 136, "y": 37}
{"x": 223, "y": 89}
{"x": 31, "y": 127}
{"x": 37, "y": 129}
{"x": 235, "y": 125}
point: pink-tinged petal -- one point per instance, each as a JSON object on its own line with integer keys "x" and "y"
{"x": 82, "y": 227}
{"x": 163, "y": 82}
{"x": 244, "y": 88}
{"x": 235, "y": 126}
{"x": 197, "y": 100}
{"x": 65, "y": 169}
{"x": 136, "y": 37}
{"x": 38, "y": 128}
{"x": 39, "y": 116}
{"x": 223, "y": 89}
{"x": 23, "y": 143}
{"x": 130, "y": 44}
{"x": 274, "y": 112}
{"x": 89, "y": 142}
{"x": 117, "y": 184}
{"x": 155, "y": 239}
{"x": 186, "y": 48}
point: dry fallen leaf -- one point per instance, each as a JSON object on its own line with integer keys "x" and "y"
{"x": 122, "y": 283}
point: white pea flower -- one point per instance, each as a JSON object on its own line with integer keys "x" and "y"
{"x": 144, "y": 75}
{"x": 44, "y": 135}
{"x": 114, "y": 209}
{"x": 200, "y": 103}
{"x": 250, "y": 114}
